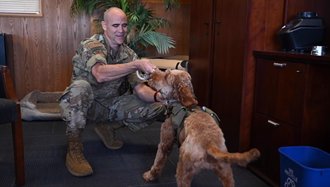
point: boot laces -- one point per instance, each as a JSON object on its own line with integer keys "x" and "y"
{"x": 77, "y": 149}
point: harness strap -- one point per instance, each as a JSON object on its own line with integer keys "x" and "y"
{"x": 178, "y": 114}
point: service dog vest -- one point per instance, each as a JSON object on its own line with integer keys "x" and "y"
{"x": 179, "y": 113}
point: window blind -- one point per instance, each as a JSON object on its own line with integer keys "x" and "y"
{"x": 20, "y": 7}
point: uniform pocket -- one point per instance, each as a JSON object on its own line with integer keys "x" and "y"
{"x": 66, "y": 91}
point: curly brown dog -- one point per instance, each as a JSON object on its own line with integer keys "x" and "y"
{"x": 202, "y": 142}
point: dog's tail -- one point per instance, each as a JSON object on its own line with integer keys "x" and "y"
{"x": 241, "y": 159}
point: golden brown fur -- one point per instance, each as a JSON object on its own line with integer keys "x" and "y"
{"x": 203, "y": 144}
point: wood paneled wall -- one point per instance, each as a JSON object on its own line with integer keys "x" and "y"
{"x": 43, "y": 47}
{"x": 180, "y": 27}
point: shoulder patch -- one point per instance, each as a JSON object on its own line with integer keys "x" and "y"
{"x": 94, "y": 44}
{"x": 99, "y": 52}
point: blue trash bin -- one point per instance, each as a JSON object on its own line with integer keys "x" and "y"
{"x": 304, "y": 166}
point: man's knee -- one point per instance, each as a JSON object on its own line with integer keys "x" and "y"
{"x": 76, "y": 100}
{"x": 153, "y": 111}
{"x": 159, "y": 108}
{"x": 78, "y": 90}
{"x": 161, "y": 112}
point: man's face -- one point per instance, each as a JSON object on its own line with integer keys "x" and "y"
{"x": 115, "y": 29}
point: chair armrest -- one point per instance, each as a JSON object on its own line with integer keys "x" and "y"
{"x": 8, "y": 84}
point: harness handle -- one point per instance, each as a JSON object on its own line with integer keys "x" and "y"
{"x": 213, "y": 114}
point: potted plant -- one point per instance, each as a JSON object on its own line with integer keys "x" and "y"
{"x": 142, "y": 24}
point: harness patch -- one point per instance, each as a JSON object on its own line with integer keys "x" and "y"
{"x": 179, "y": 113}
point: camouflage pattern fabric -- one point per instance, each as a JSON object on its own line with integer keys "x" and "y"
{"x": 97, "y": 50}
{"x": 86, "y": 101}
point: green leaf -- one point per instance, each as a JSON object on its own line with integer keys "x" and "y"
{"x": 161, "y": 41}
{"x": 139, "y": 17}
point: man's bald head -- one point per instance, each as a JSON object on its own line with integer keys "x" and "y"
{"x": 113, "y": 11}
{"x": 115, "y": 27}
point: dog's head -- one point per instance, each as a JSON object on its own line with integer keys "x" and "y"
{"x": 174, "y": 85}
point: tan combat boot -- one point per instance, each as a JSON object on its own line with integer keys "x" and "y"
{"x": 106, "y": 131}
{"x": 75, "y": 160}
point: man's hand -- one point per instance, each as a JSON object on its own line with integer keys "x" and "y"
{"x": 145, "y": 66}
{"x": 111, "y": 72}
{"x": 146, "y": 93}
{"x": 160, "y": 98}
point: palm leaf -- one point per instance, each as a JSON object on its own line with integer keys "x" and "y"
{"x": 148, "y": 37}
{"x": 162, "y": 42}
{"x": 140, "y": 18}
{"x": 169, "y": 4}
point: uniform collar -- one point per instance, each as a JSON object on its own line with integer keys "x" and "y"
{"x": 113, "y": 55}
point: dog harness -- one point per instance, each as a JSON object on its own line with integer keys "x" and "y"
{"x": 179, "y": 113}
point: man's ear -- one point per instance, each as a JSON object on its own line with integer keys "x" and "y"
{"x": 104, "y": 25}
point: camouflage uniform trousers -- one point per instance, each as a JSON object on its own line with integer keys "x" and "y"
{"x": 78, "y": 108}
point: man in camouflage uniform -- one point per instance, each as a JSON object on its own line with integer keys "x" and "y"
{"x": 103, "y": 73}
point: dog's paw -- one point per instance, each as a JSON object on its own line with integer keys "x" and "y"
{"x": 147, "y": 176}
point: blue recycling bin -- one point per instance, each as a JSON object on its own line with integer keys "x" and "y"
{"x": 304, "y": 166}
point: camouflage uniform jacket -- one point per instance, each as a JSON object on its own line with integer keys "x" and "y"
{"x": 97, "y": 50}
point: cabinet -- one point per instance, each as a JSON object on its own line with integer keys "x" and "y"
{"x": 230, "y": 29}
{"x": 222, "y": 36}
{"x": 268, "y": 137}
{"x": 201, "y": 27}
{"x": 280, "y": 90}
{"x": 216, "y": 60}
{"x": 291, "y": 107}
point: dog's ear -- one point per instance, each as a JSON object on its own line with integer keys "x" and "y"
{"x": 169, "y": 77}
{"x": 186, "y": 96}
{"x": 185, "y": 90}
{"x": 181, "y": 83}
